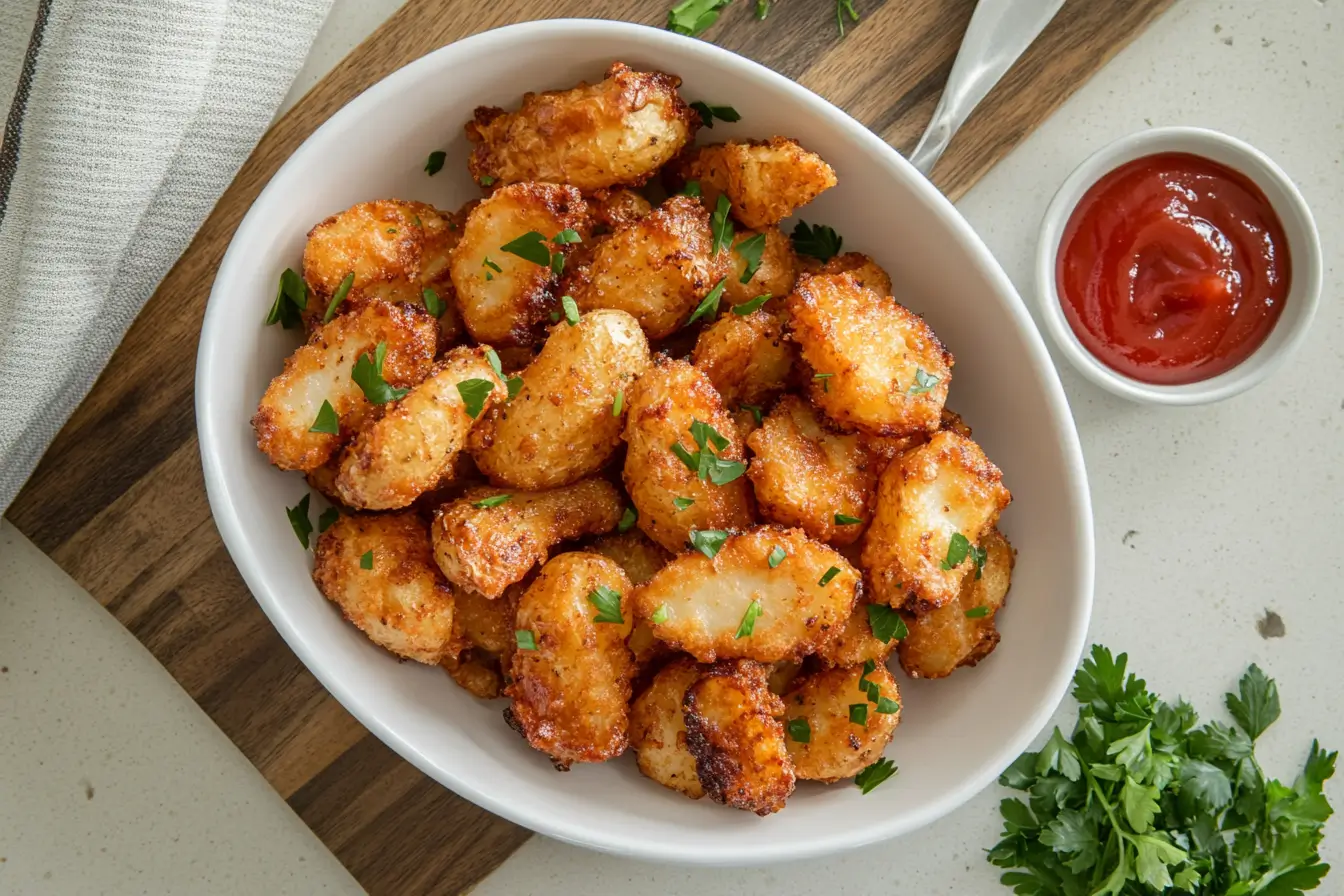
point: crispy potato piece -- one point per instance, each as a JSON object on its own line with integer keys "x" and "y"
{"x": 748, "y": 359}
{"x": 704, "y": 602}
{"x": 734, "y": 734}
{"x": 478, "y": 672}
{"x": 618, "y": 131}
{"x": 945, "y": 639}
{"x": 805, "y": 476}
{"x": 658, "y": 729}
{"x": 571, "y": 695}
{"x": 610, "y": 210}
{"x": 483, "y": 629}
{"x": 887, "y": 448}
{"x": 408, "y": 450}
{"x": 868, "y": 272}
{"x": 320, "y": 371}
{"x": 782, "y": 675}
{"x": 879, "y": 356}
{"x": 924, "y": 497}
{"x": 487, "y": 549}
{"x": 855, "y": 642}
{"x": 402, "y": 602}
{"x": 323, "y": 479}
{"x": 836, "y": 747}
{"x": 766, "y": 180}
{"x": 640, "y": 558}
{"x": 560, "y": 428}
{"x": 662, "y": 406}
{"x": 509, "y": 306}
{"x": 776, "y": 275}
{"x": 657, "y": 268}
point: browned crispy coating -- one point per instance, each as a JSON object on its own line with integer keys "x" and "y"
{"x": 415, "y": 444}
{"x": 766, "y": 180}
{"x": 775, "y": 276}
{"x": 867, "y": 355}
{"x": 866, "y": 271}
{"x": 320, "y": 371}
{"x": 924, "y": 498}
{"x": 560, "y": 427}
{"x": 945, "y": 639}
{"x": 703, "y": 602}
{"x": 733, "y": 731}
{"x": 658, "y": 729}
{"x": 610, "y": 210}
{"x": 571, "y": 694}
{"x": 510, "y": 306}
{"x": 806, "y": 476}
{"x": 640, "y": 557}
{"x": 483, "y": 630}
{"x": 402, "y": 601}
{"x": 617, "y": 131}
{"x": 486, "y": 549}
{"x": 836, "y": 746}
{"x": 888, "y": 448}
{"x": 855, "y": 642}
{"x": 657, "y": 268}
{"x": 747, "y": 358}
{"x": 662, "y": 405}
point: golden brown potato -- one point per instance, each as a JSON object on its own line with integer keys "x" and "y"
{"x": 379, "y": 570}
{"x": 855, "y": 643}
{"x": 944, "y": 639}
{"x": 487, "y": 548}
{"x": 323, "y": 479}
{"x": 408, "y": 450}
{"x": 837, "y": 746}
{"x": 875, "y": 366}
{"x": 503, "y": 298}
{"x": 571, "y": 694}
{"x": 926, "y": 497}
{"x": 733, "y": 731}
{"x": 657, "y": 268}
{"x": 658, "y": 729}
{"x": 321, "y": 371}
{"x": 640, "y": 558}
{"x": 665, "y": 402}
{"x": 738, "y": 605}
{"x": 618, "y": 131}
{"x": 483, "y": 630}
{"x": 887, "y": 448}
{"x": 478, "y": 672}
{"x": 775, "y": 276}
{"x": 766, "y": 180}
{"x": 808, "y": 477}
{"x": 782, "y": 675}
{"x": 610, "y": 210}
{"x": 748, "y": 359}
{"x": 866, "y": 271}
{"x": 560, "y": 427}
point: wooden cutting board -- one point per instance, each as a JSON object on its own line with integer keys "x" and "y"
{"x": 119, "y": 500}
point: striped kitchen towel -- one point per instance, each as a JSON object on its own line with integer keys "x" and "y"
{"x": 126, "y": 121}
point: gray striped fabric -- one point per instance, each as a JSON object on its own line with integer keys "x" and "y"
{"x": 124, "y": 122}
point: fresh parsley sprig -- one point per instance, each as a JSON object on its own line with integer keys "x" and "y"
{"x": 705, "y": 463}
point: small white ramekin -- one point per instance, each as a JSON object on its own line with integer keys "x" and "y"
{"x": 1304, "y": 248}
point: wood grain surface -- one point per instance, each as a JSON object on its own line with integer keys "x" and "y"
{"x": 119, "y": 500}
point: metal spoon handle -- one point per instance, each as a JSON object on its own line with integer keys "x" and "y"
{"x": 1000, "y": 31}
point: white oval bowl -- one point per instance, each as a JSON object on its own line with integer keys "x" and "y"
{"x": 957, "y": 734}
{"x": 1304, "y": 250}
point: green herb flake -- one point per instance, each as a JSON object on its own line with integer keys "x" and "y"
{"x": 750, "y": 250}
{"x": 531, "y": 246}
{"x": 844, "y": 8}
{"x": 525, "y": 639}
{"x": 828, "y": 575}
{"x": 433, "y": 304}
{"x": 368, "y": 375}
{"x": 327, "y": 421}
{"x": 298, "y": 519}
{"x": 659, "y": 615}
{"x": 958, "y": 547}
{"x": 709, "y": 305}
{"x": 748, "y": 623}
{"x": 571, "y": 310}
{"x": 515, "y": 385}
{"x": 366, "y": 560}
{"x": 756, "y": 412}
{"x": 338, "y": 296}
{"x": 709, "y": 113}
{"x": 608, "y": 604}
{"x": 691, "y": 189}
{"x": 886, "y": 623}
{"x": 721, "y": 225}
{"x": 291, "y": 300}
{"x": 874, "y": 775}
{"x": 752, "y": 306}
{"x": 628, "y": 520}
{"x": 567, "y": 237}
{"x": 887, "y": 706}
{"x": 682, "y": 503}
{"x": 434, "y": 164}
{"x": 799, "y": 731}
{"x": 819, "y": 242}
{"x": 474, "y": 392}
{"x": 492, "y": 501}
{"x": 328, "y": 519}
{"x": 492, "y": 358}
{"x": 692, "y": 17}
{"x": 844, "y": 519}
{"x": 858, "y": 713}
{"x": 487, "y": 263}
{"x": 825, "y": 380}
{"x": 618, "y": 403}
{"x": 708, "y": 541}
{"x": 979, "y": 612}
{"x": 923, "y": 382}
{"x": 487, "y": 180}
{"x": 776, "y": 556}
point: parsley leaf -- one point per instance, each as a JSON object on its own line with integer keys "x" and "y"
{"x": 958, "y": 546}
{"x": 618, "y": 403}
{"x": 328, "y": 517}
{"x": 704, "y": 463}
{"x": 659, "y": 615}
{"x": 366, "y": 560}
{"x": 708, "y": 541}
{"x": 291, "y": 299}
{"x": 751, "y": 306}
{"x": 776, "y": 556}
{"x": 531, "y": 246}
{"x": 326, "y": 421}
{"x": 492, "y": 501}
{"x": 338, "y": 296}
{"x": 298, "y": 519}
{"x": 1257, "y": 705}
{"x": 762, "y": 9}
{"x": 433, "y": 304}
{"x": 979, "y": 612}
{"x": 368, "y": 375}
{"x": 692, "y": 189}
{"x": 474, "y": 393}
{"x": 923, "y": 382}
{"x": 886, "y": 623}
{"x": 525, "y": 639}
{"x": 887, "y": 706}
{"x": 682, "y": 503}
{"x": 515, "y": 385}
{"x": 608, "y": 603}
{"x": 492, "y": 358}
{"x": 751, "y": 249}
{"x": 487, "y": 180}
{"x": 628, "y": 520}
{"x": 829, "y": 574}
{"x": 874, "y": 775}
{"x": 844, "y": 519}
{"x": 755, "y": 411}
{"x": 434, "y": 164}
{"x": 709, "y": 305}
{"x": 858, "y": 713}
{"x": 691, "y": 17}
{"x": 819, "y": 242}
{"x": 748, "y": 623}
{"x": 708, "y": 113}
{"x": 799, "y": 730}
{"x": 721, "y": 225}
{"x": 571, "y": 310}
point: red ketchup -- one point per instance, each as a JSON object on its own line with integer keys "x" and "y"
{"x": 1173, "y": 269}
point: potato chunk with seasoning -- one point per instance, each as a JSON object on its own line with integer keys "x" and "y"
{"x": 488, "y": 539}
{"x": 875, "y": 366}
{"x": 483, "y": 631}
{"x": 617, "y": 131}
{"x": 857, "y": 641}
{"x": 408, "y": 450}
{"x": 837, "y": 724}
{"x": 942, "y": 492}
{"x": 867, "y": 272}
{"x": 504, "y": 298}
{"x": 658, "y": 729}
{"x": 776, "y": 273}
{"x": 963, "y": 632}
{"x": 571, "y": 672}
{"x": 378, "y": 569}
{"x": 766, "y": 180}
{"x": 804, "y": 476}
{"x": 747, "y": 358}
{"x": 733, "y": 731}
{"x": 769, "y": 594}
{"x": 321, "y": 372}
{"x": 566, "y": 421}
{"x": 674, "y": 404}
{"x": 657, "y": 268}
{"x": 610, "y": 210}
{"x": 640, "y": 558}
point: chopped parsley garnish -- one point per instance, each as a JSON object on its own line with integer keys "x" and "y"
{"x": 531, "y": 246}
{"x": 567, "y": 236}
{"x": 705, "y": 463}
{"x": 874, "y": 775}
{"x": 762, "y": 9}
{"x": 368, "y": 375}
{"x": 659, "y": 615}
{"x": 828, "y": 575}
{"x": 492, "y": 501}
{"x": 708, "y": 541}
{"x": 887, "y": 706}
{"x": 492, "y": 266}
{"x": 608, "y": 604}
{"x": 492, "y": 358}
{"x": 691, "y": 17}
{"x": 958, "y": 546}
{"x": 433, "y": 304}
{"x": 721, "y": 225}
{"x": 799, "y": 731}
{"x": 515, "y": 385}
{"x": 750, "y": 306}
{"x": 748, "y": 623}
{"x": 487, "y": 180}
{"x": 858, "y": 713}
{"x": 886, "y": 623}
{"x": 326, "y": 421}
{"x": 844, "y": 519}
{"x": 571, "y": 310}
{"x": 978, "y": 557}
{"x": 338, "y": 296}
{"x": 682, "y": 503}
{"x": 434, "y": 164}
{"x": 979, "y": 612}
{"x": 691, "y": 189}
{"x": 327, "y": 519}
{"x": 525, "y": 639}
{"x": 298, "y": 518}
{"x": 709, "y": 305}
{"x": 923, "y": 382}
{"x": 618, "y": 403}
{"x": 708, "y": 113}
{"x": 750, "y": 249}
{"x": 366, "y": 560}
{"x": 474, "y": 392}
{"x": 844, "y": 8}
{"x": 776, "y": 556}
{"x": 628, "y": 520}
{"x": 825, "y": 380}
{"x": 291, "y": 299}
{"x": 756, "y": 414}
{"x": 869, "y": 667}
{"x": 819, "y": 242}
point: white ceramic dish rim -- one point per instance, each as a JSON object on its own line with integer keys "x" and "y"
{"x": 1304, "y": 246}
{"x": 213, "y": 361}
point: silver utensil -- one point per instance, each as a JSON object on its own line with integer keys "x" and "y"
{"x": 1000, "y": 31}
